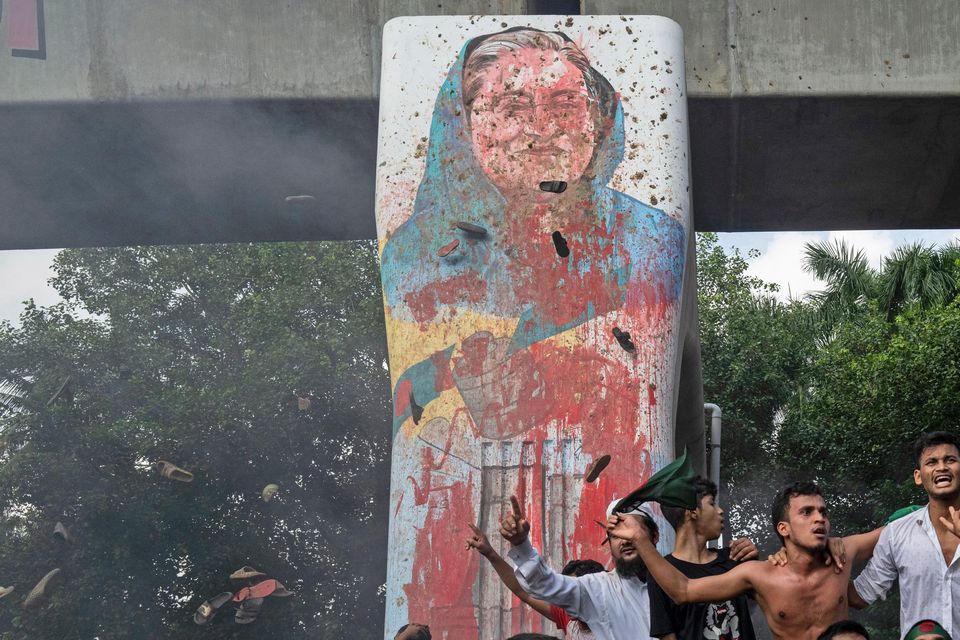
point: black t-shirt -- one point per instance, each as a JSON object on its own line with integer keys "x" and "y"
{"x": 728, "y": 620}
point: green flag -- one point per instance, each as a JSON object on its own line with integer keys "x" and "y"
{"x": 905, "y": 511}
{"x": 672, "y": 486}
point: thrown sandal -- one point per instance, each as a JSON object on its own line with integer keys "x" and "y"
{"x": 281, "y": 591}
{"x": 269, "y": 491}
{"x": 245, "y": 572}
{"x": 248, "y": 611}
{"x": 208, "y": 609}
{"x": 38, "y": 594}
{"x": 172, "y": 471}
{"x": 62, "y": 531}
{"x": 259, "y": 590}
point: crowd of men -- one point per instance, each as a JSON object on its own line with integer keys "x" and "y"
{"x": 804, "y": 591}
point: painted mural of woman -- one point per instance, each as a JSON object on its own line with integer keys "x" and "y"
{"x": 504, "y": 290}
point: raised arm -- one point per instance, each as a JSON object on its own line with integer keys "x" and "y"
{"x": 533, "y": 574}
{"x": 480, "y": 542}
{"x": 680, "y": 588}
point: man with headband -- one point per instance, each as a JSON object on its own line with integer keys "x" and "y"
{"x": 927, "y": 630}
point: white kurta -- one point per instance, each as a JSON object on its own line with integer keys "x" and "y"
{"x": 616, "y": 608}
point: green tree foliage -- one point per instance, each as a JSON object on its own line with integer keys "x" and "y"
{"x": 851, "y": 282}
{"x": 753, "y": 349}
{"x": 887, "y": 372}
{"x": 834, "y": 388}
{"x": 197, "y": 355}
{"x": 870, "y": 392}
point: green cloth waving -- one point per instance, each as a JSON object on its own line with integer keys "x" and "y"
{"x": 672, "y": 486}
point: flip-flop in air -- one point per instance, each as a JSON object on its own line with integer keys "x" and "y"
{"x": 172, "y": 471}
{"x": 472, "y": 229}
{"x": 553, "y": 186}
{"x": 38, "y": 594}
{"x": 623, "y": 338}
{"x": 560, "y": 244}
{"x": 62, "y": 531}
{"x": 245, "y": 572}
{"x": 269, "y": 491}
{"x": 416, "y": 411}
{"x": 447, "y": 249}
{"x": 248, "y": 611}
{"x": 595, "y": 469}
{"x": 208, "y": 609}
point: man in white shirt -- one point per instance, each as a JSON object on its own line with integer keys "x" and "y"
{"x": 614, "y": 603}
{"x": 922, "y": 550}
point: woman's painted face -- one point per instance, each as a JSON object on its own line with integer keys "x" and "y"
{"x": 532, "y": 121}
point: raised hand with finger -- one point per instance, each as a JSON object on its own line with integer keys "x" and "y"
{"x": 515, "y": 528}
{"x": 479, "y": 541}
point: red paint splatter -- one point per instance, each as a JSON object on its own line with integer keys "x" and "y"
{"x": 443, "y": 379}
{"x": 440, "y": 593}
{"x": 402, "y": 401}
{"x": 467, "y": 289}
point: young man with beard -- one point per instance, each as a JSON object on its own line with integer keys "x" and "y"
{"x": 572, "y": 628}
{"x": 615, "y": 604}
{"x": 801, "y": 599}
{"x": 723, "y": 620}
{"x": 922, "y": 550}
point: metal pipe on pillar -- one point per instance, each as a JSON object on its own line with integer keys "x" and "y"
{"x": 716, "y": 424}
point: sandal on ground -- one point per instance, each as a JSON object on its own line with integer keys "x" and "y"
{"x": 262, "y": 590}
{"x": 248, "y": 611}
{"x": 208, "y": 609}
{"x": 245, "y": 572}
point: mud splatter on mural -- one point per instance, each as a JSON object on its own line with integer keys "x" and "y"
{"x": 532, "y": 290}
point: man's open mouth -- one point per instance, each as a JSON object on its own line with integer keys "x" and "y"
{"x": 942, "y": 479}
{"x": 819, "y": 531}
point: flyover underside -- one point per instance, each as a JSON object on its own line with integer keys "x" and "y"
{"x": 220, "y": 171}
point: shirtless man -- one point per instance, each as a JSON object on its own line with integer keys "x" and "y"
{"x": 801, "y": 599}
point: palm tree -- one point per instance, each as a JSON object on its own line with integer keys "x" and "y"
{"x": 851, "y": 283}
{"x": 915, "y": 275}
{"x": 918, "y": 275}
{"x": 13, "y": 393}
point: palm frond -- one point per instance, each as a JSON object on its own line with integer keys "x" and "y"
{"x": 917, "y": 275}
{"x": 850, "y": 281}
